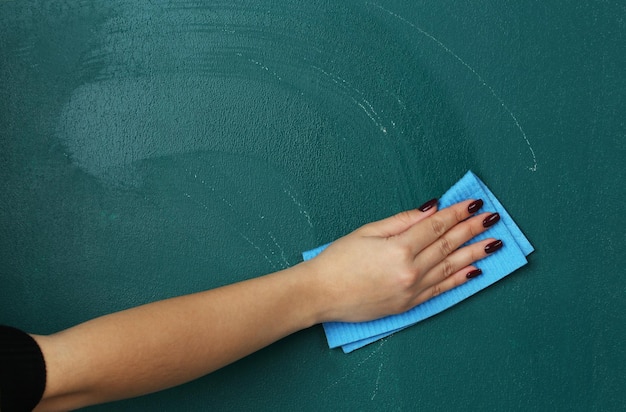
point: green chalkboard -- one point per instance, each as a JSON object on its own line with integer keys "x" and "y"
{"x": 155, "y": 148}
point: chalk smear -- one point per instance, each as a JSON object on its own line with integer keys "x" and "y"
{"x": 482, "y": 81}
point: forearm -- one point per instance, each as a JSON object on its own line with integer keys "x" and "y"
{"x": 383, "y": 268}
{"x": 166, "y": 343}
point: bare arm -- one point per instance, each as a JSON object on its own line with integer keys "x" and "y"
{"x": 165, "y": 343}
{"x": 382, "y": 268}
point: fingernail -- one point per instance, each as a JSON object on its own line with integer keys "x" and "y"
{"x": 493, "y": 246}
{"x": 428, "y": 205}
{"x": 475, "y": 206}
{"x": 491, "y": 220}
{"x": 473, "y": 273}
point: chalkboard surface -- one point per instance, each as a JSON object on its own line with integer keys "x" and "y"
{"x": 155, "y": 148}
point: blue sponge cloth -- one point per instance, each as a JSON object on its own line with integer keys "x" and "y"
{"x": 512, "y": 256}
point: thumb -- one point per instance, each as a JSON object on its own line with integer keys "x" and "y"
{"x": 398, "y": 223}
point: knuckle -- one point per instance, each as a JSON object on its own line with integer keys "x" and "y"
{"x": 460, "y": 214}
{"x": 407, "y": 279}
{"x": 405, "y": 217}
{"x": 438, "y": 226}
{"x": 475, "y": 227}
{"x": 444, "y": 246}
{"x": 447, "y": 268}
{"x": 474, "y": 255}
{"x": 476, "y": 252}
{"x": 404, "y": 253}
{"x": 435, "y": 291}
{"x": 402, "y": 307}
{"x": 406, "y": 302}
{"x": 473, "y": 231}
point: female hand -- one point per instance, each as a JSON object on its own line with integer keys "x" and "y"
{"x": 389, "y": 266}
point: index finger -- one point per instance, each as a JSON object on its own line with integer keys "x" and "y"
{"x": 426, "y": 231}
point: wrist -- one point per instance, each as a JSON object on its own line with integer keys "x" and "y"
{"x": 315, "y": 292}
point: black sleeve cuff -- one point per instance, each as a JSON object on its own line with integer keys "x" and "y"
{"x": 22, "y": 371}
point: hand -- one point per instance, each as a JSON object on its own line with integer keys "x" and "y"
{"x": 390, "y": 266}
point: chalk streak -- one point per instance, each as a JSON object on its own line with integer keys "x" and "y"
{"x": 262, "y": 66}
{"x": 474, "y": 72}
{"x": 301, "y": 208}
{"x": 364, "y": 104}
{"x": 254, "y": 245}
{"x": 611, "y": 3}
{"x": 240, "y": 233}
{"x": 358, "y": 365}
{"x": 380, "y": 369}
{"x": 282, "y": 251}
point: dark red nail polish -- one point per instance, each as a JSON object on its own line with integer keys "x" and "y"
{"x": 428, "y": 205}
{"x": 491, "y": 220}
{"x": 475, "y": 206}
{"x": 493, "y": 246}
{"x": 473, "y": 273}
